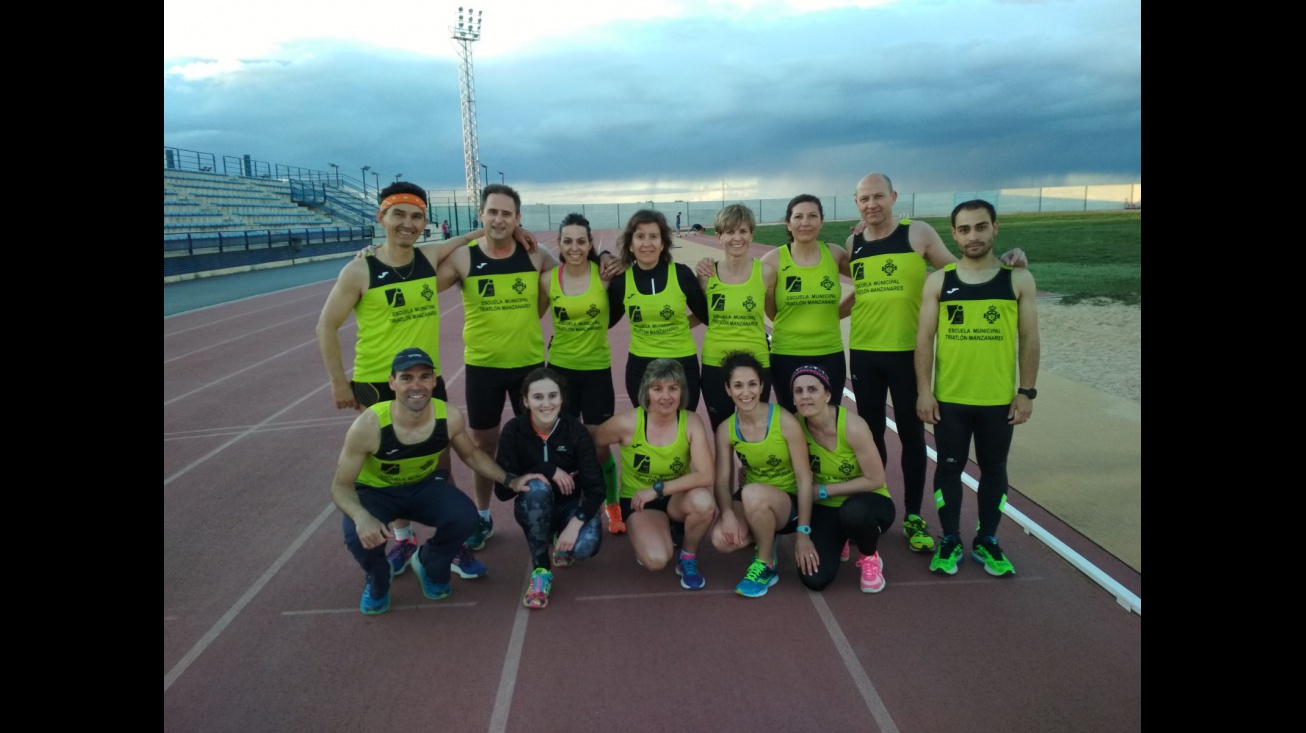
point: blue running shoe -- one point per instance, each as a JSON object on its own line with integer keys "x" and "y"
{"x": 690, "y": 578}
{"x": 757, "y": 581}
{"x": 467, "y": 566}
{"x": 373, "y": 606}
{"x": 431, "y": 589}
{"x": 399, "y": 555}
{"x": 484, "y": 531}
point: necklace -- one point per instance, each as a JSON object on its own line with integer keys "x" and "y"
{"x": 411, "y": 267}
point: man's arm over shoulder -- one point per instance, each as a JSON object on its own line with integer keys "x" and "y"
{"x": 929, "y": 244}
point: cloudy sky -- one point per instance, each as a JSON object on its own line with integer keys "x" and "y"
{"x": 588, "y": 101}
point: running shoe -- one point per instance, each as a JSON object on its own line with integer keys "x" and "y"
{"x": 431, "y": 589}
{"x": 373, "y": 606}
{"x": 917, "y": 533}
{"x": 846, "y": 552}
{"x": 563, "y": 559}
{"x": 690, "y": 578}
{"x": 757, "y": 580}
{"x": 616, "y": 525}
{"x": 467, "y": 566}
{"x": 948, "y": 556}
{"x": 985, "y": 550}
{"x": 872, "y": 573}
{"x": 400, "y": 554}
{"x": 537, "y": 594}
{"x": 484, "y": 531}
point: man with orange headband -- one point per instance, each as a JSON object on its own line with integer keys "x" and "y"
{"x": 392, "y": 295}
{"x": 502, "y": 338}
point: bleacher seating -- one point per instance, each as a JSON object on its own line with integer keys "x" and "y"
{"x": 209, "y": 202}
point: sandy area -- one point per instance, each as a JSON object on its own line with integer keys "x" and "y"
{"x": 1097, "y": 345}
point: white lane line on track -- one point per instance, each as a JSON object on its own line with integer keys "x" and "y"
{"x": 239, "y": 371}
{"x": 511, "y": 664}
{"x": 433, "y": 606}
{"x": 1123, "y": 595}
{"x": 241, "y": 315}
{"x": 252, "y": 429}
{"x": 668, "y": 594}
{"x": 239, "y": 605}
{"x": 270, "y": 429}
{"x": 854, "y": 667}
{"x": 305, "y": 423}
{"x": 244, "y": 335}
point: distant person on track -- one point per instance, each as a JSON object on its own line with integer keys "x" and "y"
{"x": 386, "y": 471}
{"x": 502, "y": 337}
{"x": 976, "y": 379}
{"x": 564, "y": 510}
{"x": 579, "y": 351}
{"x": 852, "y": 502}
{"x": 392, "y": 295}
{"x": 888, "y": 260}
{"x": 666, "y": 472}
{"x": 654, "y": 295}
{"x": 444, "y": 227}
{"x": 775, "y": 497}
{"x": 677, "y": 222}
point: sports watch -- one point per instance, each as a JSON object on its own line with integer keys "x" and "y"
{"x": 658, "y": 486}
{"x": 1030, "y": 393}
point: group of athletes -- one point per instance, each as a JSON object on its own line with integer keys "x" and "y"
{"x": 956, "y": 348}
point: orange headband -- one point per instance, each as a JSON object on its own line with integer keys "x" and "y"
{"x": 402, "y": 198}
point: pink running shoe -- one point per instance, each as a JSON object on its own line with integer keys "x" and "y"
{"x": 872, "y": 573}
{"x": 845, "y": 552}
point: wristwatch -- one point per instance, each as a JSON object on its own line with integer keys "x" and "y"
{"x": 508, "y": 478}
{"x": 1030, "y": 393}
{"x": 658, "y": 486}
{"x": 805, "y": 528}
{"x": 822, "y": 493}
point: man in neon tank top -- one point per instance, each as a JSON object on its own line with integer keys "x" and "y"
{"x": 502, "y": 338}
{"x": 386, "y": 471}
{"x": 978, "y": 333}
{"x": 888, "y": 259}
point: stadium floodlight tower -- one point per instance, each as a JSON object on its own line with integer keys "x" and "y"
{"x": 466, "y": 33}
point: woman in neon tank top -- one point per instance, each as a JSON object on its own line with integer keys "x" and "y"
{"x": 735, "y": 287}
{"x": 666, "y": 472}
{"x": 578, "y": 350}
{"x": 653, "y": 295}
{"x": 803, "y": 300}
{"x": 852, "y": 502}
{"x": 777, "y": 484}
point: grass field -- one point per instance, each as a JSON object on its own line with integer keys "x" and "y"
{"x": 1081, "y": 255}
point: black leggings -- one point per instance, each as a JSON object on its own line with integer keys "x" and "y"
{"x": 861, "y": 519}
{"x": 876, "y": 375}
{"x": 988, "y": 425}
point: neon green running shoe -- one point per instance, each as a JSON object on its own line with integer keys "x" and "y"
{"x": 917, "y": 533}
{"x": 757, "y": 581}
{"x": 948, "y": 556}
{"x": 985, "y": 550}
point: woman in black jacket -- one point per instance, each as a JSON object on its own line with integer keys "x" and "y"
{"x": 545, "y": 440}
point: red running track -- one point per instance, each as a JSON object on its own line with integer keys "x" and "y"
{"x": 262, "y": 633}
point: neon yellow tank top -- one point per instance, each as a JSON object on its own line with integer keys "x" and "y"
{"x": 398, "y": 464}
{"x": 834, "y": 466}
{"x": 396, "y": 314}
{"x": 501, "y": 320}
{"x": 807, "y": 307}
{"x": 580, "y": 324}
{"x": 975, "y": 348}
{"x": 889, "y": 276}
{"x": 767, "y": 461}
{"x": 659, "y": 326}
{"x": 737, "y": 316}
{"x": 643, "y": 463}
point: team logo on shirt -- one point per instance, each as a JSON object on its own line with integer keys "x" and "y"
{"x": 793, "y": 284}
{"x": 666, "y": 313}
{"x": 749, "y": 304}
{"x": 677, "y": 465}
{"x": 827, "y": 283}
{"x": 560, "y": 314}
{"x": 773, "y": 461}
{"x": 390, "y": 469}
{"x": 991, "y": 314}
{"x": 859, "y": 271}
{"x": 816, "y": 464}
{"x": 519, "y": 286}
{"x": 643, "y": 463}
{"x": 956, "y": 314}
{"x": 594, "y": 311}
{"x": 635, "y": 315}
{"x": 889, "y": 268}
{"x": 846, "y": 468}
{"x": 427, "y": 292}
{"x": 485, "y": 287}
{"x": 395, "y": 297}
{"x": 718, "y": 302}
